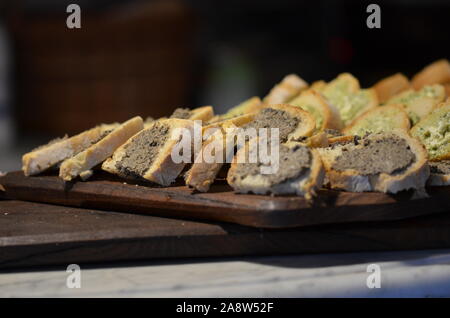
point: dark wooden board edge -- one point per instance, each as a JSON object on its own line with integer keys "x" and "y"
{"x": 331, "y": 207}
{"x": 220, "y": 240}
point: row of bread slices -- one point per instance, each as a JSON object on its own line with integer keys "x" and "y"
{"x": 385, "y": 138}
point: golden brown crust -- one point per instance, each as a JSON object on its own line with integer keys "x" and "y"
{"x": 437, "y": 72}
{"x": 45, "y": 157}
{"x": 391, "y": 86}
{"x": 288, "y": 88}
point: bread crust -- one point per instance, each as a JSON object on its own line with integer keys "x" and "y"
{"x": 288, "y": 88}
{"x": 414, "y": 177}
{"x": 330, "y": 114}
{"x": 437, "y": 72}
{"x": 391, "y": 86}
{"x": 100, "y": 151}
{"x": 204, "y": 113}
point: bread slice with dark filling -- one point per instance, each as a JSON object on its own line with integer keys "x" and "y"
{"x": 292, "y": 122}
{"x": 300, "y": 171}
{"x": 384, "y": 162}
{"x": 439, "y": 173}
{"x": 148, "y": 154}
{"x": 83, "y": 162}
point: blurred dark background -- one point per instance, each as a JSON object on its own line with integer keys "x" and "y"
{"x": 149, "y": 57}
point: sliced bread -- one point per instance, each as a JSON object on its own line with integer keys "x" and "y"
{"x": 391, "y": 86}
{"x": 293, "y": 124}
{"x": 53, "y": 153}
{"x": 384, "y": 162}
{"x": 98, "y": 152}
{"x": 288, "y": 88}
{"x": 325, "y": 114}
{"x": 379, "y": 119}
{"x": 419, "y": 103}
{"x": 345, "y": 94}
{"x": 148, "y": 154}
{"x": 299, "y": 171}
{"x": 437, "y": 72}
{"x": 248, "y": 106}
{"x": 434, "y": 132}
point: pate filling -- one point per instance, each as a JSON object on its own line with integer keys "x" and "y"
{"x": 274, "y": 118}
{"x": 293, "y": 161}
{"x": 181, "y": 113}
{"x": 386, "y": 155}
{"x": 440, "y": 167}
{"x": 142, "y": 151}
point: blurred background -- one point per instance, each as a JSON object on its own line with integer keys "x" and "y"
{"x": 149, "y": 57}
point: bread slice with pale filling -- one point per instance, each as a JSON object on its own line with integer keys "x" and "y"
{"x": 345, "y": 94}
{"x": 379, "y": 119}
{"x": 299, "y": 170}
{"x": 150, "y": 153}
{"x": 433, "y": 131}
{"x": 84, "y": 161}
{"x": 53, "y": 153}
{"x": 384, "y": 162}
{"x": 419, "y": 103}
{"x": 325, "y": 114}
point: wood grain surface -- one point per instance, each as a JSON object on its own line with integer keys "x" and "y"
{"x": 42, "y": 234}
{"x": 106, "y": 192}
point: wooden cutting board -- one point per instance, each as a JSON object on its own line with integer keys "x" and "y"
{"x": 106, "y": 192}
{"x": 42, "y": 234}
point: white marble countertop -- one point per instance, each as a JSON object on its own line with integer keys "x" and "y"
{"x": 403, "y": 274}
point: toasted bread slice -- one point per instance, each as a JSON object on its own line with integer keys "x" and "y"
{"x": 288, "y": 88}
{"x": 148, "y": 154}
{"x": 318, "y": 86}
{"x": 437, "y": 72}
{"x": 220, "y": 147}
{"x": 420, "y": 103}
{"x": 325, "y": 114}
{"x": 385, "y": 162}
{"x": 434, "y": 132}
{"x": 391, "y": 86}
{"x": 293, "y": 123}
{"x": 98, "y": 152}
{"x": 439, "y": 173}
{"x": 379, "y": 119}
{"x": 249, "y": 106}
{"x": 345, "y": 94}
{"x": 299, "y": 170}
{"x": 53, "y": 153}
{"x": 447, "y": 89}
